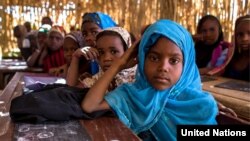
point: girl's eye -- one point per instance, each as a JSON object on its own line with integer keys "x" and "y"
{"x": 114, "y": 51}
{"x": 174, "y": 61}
{"x": 240, "y": 34}
{"x": 94, "y": 32}
{"x": 84, "y": 34}
{"x": 153, "y": 58}
{"x": 212, "y": 29}
{"x": 101, "y": 52}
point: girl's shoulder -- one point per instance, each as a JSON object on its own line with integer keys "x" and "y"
{"x": 225, "y": 44}
{"x": 126, "y": 76}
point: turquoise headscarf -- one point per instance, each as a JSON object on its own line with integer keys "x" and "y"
{"x": 141, "y": 107}
{"x": 99, "y": 18}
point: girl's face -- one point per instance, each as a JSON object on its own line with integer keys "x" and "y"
{"x": 243, "y": 36}
{"x": 55, "y": 41}
{"x": 41, "y": 38}
{"x": 109, "y": 48}
{"x": 163, "y": 64}
{"x": 89, "y": 32}
{"x": 210, "y": 31}
{"x": 69, "y": 46}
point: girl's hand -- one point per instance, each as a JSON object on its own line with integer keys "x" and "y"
{"x": 89, "y": 53}
{"x": 129, "y": 58}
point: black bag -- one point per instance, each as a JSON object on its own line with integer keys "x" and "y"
{"x": 52, "y": 103}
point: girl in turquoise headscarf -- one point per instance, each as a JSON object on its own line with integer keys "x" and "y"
{"x": 167, "y": 91}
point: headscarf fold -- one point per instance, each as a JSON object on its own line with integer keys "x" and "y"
{"x": 99, "y": 18}
{"x": 141, "y": 107}
{"x": 122, "y": 32}
{"x": 77, "y": 37}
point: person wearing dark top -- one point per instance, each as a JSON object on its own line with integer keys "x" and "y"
{"x": 239, "y": 66}
{"x": 211, "y": 49}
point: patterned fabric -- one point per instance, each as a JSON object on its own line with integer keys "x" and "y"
{"x": 54, "y": 59}
{"x": 142, "y": 107}
{"x": 123, "y": 32}
{"x": 77, "y": 37}
{"x": 101, "y": 19}
{"x": 125, "y": 76}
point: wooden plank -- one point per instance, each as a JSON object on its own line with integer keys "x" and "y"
{"x": 241, "y": 107}
{"x": 210, "y": 86}
{"x": 99, "y": 131}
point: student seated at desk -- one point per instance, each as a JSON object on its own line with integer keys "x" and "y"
{"x": 92, "y": 24}
{"x": 212, "y": 52}
{"x": 111, "y": 44}
{"x": 54, "y": 55}
{"x": 167, "y": 91}
{"x": 239, "y": 66}
{"x": 72, "y": 42}
{"x": 36, "y": 59}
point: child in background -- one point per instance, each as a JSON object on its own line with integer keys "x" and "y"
{"x": 92, "y": 24}
{"x": 54, "y": 56}
{"x": 19, "y": 33}
{"x": 72, "y": 42}
{"x": 212, "y": 52}
{"x": 111, "y": 44}
{"x": 239, "y": 66}
{"x": 167, "y": 91}
{"x": 35, "y": 59}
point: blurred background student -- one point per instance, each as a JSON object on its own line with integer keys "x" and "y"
{"x": 211, "y": 49}
{"x": 239, "y": 66}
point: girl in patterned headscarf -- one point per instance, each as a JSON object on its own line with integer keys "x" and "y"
{"x": 72, "y": 42}
{"x": 92, "y": 24}
{"x": 167, "y": 91}
{"x": 111, "y": 44}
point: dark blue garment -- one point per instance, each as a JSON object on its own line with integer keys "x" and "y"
{"x": 94, "y": 67}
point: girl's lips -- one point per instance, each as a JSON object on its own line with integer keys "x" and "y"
{"x": 162, "y": 79}
{"x": 244, "y": 45}
{"x": 105, "y": 68}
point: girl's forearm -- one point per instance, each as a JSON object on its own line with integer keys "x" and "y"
{"x": 73, "y": 73}
{"x": 94, "y": 99}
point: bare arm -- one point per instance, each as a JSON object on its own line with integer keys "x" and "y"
{"x": 73, "y": 72}
{"x": 87, "y": 53}
{"x": 33, "y": 58}
{"x": 94, "y": 99}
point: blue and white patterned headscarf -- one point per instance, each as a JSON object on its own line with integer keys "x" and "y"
{"x": 99, "y": 18}
{"x": 141, "y": 107}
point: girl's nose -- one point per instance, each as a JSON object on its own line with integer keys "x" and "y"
{"x": 246, "y": 37}
{"x": 107, "y": 57}
{"x": 164, "y": 66}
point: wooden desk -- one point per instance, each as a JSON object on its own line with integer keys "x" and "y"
{"x": 239, "y": 101}
{"x": 10, "y": 66}
{"x": 101, "y": 129}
